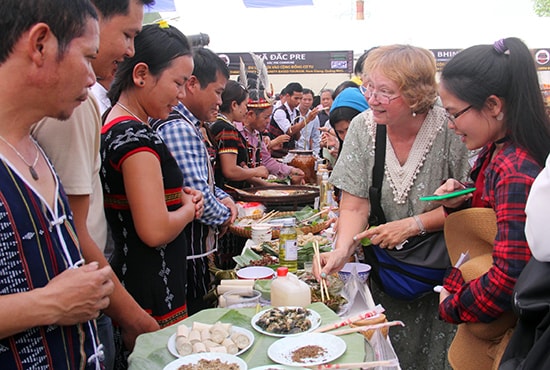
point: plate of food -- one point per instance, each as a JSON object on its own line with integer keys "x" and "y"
{"x": 278, "y": 367}
{"x": 307, "y": 350}
{"x": 209, "y": 338}
{"x": 198, "y": 361}
{"x": 286, "y": 321}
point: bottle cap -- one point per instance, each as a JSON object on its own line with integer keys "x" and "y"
{"x": 282, "y": 271}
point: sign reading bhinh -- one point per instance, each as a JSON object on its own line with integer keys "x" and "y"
{"x": 294, "y": 62}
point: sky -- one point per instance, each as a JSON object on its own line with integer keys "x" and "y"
{"x": 331, "y": 24}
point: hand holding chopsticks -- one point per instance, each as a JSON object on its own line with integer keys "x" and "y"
{"x": 323, "y": 282}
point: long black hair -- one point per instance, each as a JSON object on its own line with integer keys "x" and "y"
{"x": 507, "y": 70}
{"x": 157, "y": 46}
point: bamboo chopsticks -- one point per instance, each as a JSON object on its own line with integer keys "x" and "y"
{"x": 314, "y": 215}
{"x": 365, "y": 315}
{"x": 323, "y": 283}
{"x": 367, "y": 327}
{"x": 358, "y": 365}
{"x": 268, "y": 216}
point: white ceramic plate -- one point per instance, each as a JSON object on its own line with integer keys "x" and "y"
{"x": 234, "y": 329}
{"x": 281, "y": 351}
{"x": 313, "y": 316}
{"x": 194, "y": 359}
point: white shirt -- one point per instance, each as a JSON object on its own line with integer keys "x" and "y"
{"x": 100, "y": 94}
{"x": 536, "y": 227}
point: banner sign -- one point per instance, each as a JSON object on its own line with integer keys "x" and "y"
{"x": 297, "y": 62}
{"x": 309, "y": 62}
{"x": 541, "y": 57}
{"x": 442, "y": 56}
{"x": 275, "y": 3}
{"x": 161, "y": 6}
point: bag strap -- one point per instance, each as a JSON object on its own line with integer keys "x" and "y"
{"x": 377, "y": 216}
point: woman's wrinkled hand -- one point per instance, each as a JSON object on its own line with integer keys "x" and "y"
{"x": 391, "y": 234}
{"x": 331, "y": 262}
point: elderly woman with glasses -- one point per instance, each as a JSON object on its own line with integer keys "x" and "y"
{"x": 420, "y": 152}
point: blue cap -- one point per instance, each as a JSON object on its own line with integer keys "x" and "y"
{"x": 350, "y": 97}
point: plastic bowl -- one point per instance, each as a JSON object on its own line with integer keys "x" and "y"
{"x": 362, "y": 269}
{"x": 241, "y": 298}
{"x": 255, "y": 273}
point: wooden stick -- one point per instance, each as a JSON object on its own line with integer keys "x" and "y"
{"x": 275, "y": 213}
{"x": 323, "y": 283}
{"x": 367, "y": 327}
{"x": 266, "y": 216}
{"x": 315, "y": 215}
{"x": 317, "y": 258}
{"x": 240, "y": 191}
{"x": 365, "y": 315}
{"x": 358, "y": 365}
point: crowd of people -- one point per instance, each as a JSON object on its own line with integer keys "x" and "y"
{"x": 120, "y": 143}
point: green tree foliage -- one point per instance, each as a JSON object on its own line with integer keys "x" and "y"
{"x": 542, "y": 7}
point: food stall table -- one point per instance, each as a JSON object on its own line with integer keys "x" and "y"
{"x": 151, "y": 352}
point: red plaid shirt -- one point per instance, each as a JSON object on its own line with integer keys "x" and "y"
{"x": 508, "y": 180}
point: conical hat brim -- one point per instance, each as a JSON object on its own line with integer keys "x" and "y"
{"x": 472, "y": 230}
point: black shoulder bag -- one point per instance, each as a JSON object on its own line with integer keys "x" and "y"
{"x": 420, "y": 265}
{"x": 528, "y": 347}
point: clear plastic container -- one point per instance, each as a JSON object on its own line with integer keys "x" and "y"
{"x": 240, "y": 298}
{"x": 288, "y": 290}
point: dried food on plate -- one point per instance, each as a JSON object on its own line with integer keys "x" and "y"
{"x": 208, "y": 361}
{"x": 307, "y": 349}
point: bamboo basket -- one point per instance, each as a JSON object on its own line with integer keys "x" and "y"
{"x": 246, "y": 232}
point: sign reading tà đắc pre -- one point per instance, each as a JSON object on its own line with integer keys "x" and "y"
{"x": 293, "y": 62}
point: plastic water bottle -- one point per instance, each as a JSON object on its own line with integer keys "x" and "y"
{"x": 288, "y": 290}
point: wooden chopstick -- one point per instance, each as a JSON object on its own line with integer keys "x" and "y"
{"x": 365, "y": 315}
{"x": 315, "y": 215}
{"x": 240, "y": 191}
{"x": 367, "y": 327}
{"x": 323, "y": 283}
{"x": 268, "y": 216}
{"x": 358, "y": 365}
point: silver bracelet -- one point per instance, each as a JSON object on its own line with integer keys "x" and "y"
{"x": 420, "y": 226}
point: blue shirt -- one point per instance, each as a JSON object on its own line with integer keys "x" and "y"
{"x": 181, "y": 134}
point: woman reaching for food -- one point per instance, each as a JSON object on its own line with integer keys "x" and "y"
{"x": 420, "y": 152}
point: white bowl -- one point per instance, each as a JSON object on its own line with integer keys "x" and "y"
{"x": 362, "y": 270}
{"x": 255, "y": 273}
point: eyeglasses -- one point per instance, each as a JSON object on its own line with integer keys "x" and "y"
{"x": 380, "y": 97}
{"x": 453, "y": 117}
